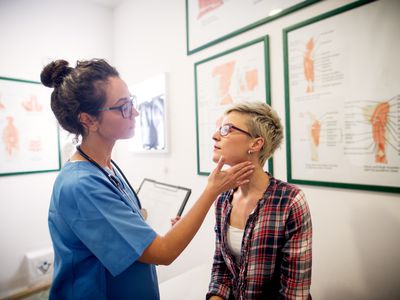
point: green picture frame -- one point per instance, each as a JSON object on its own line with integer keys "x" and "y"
{"x": 30, "y": 134}
{"x": 342, "y": 114}
{"x": 211, "y": 22}
{"x": 217, "y": 80}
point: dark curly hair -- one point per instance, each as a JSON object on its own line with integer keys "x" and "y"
{"x": 77, "y": 90}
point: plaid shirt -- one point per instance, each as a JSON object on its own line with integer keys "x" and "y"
{"x": 276, "y": 248}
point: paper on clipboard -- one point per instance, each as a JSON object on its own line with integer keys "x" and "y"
{"x": 162, "y": 202}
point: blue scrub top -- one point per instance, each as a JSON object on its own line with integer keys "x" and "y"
{"x": 98, "y": 234}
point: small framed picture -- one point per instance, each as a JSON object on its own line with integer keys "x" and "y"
{"x": 151, "y": 124}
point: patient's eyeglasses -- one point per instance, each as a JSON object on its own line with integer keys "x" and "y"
{"x": 126, "y": 109}
{"x": 225, "y": 129}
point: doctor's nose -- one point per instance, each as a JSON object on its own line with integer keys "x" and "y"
{"x": 135, "y": 113}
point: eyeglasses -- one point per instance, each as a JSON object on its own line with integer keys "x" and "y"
{"x": 125, "y": 109}
{"x": 224, "y": 130}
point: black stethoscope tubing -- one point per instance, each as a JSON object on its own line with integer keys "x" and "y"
{"x": 111, "y": 177}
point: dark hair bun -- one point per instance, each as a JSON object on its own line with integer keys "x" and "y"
{"x": 53, "y": 74}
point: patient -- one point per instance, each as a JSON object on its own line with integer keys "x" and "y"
{"x": 263, "y": 228}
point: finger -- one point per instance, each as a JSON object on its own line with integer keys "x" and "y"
{"x": 240, "y": 166}
{"x": 243, "y": 171}
{"x": 245, "y": 175}
{"x": 220, "y": 163}
{"x": 239, "y": 183}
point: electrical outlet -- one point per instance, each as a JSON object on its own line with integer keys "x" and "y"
{"x": 44, "y": 266}
{"x": 40, "y": 264}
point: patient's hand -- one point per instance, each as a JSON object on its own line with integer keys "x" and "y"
{"x": 174, "y": 220}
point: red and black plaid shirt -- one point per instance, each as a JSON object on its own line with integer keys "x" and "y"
{"x": 276, "y": 249}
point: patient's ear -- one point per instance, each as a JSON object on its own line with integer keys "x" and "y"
{"x": 257, "y": 144}
{"x": 89, "y": 122}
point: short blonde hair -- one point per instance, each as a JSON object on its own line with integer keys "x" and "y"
{"x": 264, "y": 122}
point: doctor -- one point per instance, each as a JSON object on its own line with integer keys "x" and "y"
{"x": 103, "y": 247}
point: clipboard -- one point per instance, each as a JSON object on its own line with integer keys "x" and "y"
{"x": 162, "y": 201}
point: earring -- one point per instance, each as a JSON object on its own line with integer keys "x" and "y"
{"x": 75, "y": 140}
{"x": 249, "y": 152}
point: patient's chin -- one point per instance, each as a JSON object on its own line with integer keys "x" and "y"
{"x": 215, "y": 158}
{"x": 227, "y": 163}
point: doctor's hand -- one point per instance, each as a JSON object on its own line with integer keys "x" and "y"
{"x": 221, "y": 181}
{"x": 174, "y": 220}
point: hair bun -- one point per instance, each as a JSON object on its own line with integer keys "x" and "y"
{"x": 53, "y": 74}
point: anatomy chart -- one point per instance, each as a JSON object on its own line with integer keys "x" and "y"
{"x": 233, "y": 76}
{"x": 210, "y": 21}
{"x": 343, "y": 96}
{"x": 29, "y": 132}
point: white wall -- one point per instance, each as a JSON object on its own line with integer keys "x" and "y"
{"x": 356, "y": 233}
{"x": 31, "y": 33}
{"x": 150, "y": 38}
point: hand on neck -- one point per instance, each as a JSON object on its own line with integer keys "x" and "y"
{"x": 258, "y": 182}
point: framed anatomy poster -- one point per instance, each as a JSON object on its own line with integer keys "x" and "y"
{"x": 239, "y": 74}
{"x": 343, "y": 98}
{"x": 211, "y": 21}
{"x": 29, "y": 131}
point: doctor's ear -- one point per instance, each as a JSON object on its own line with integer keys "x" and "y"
{"x": 88, "y": 122}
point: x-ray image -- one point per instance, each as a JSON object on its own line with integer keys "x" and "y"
{"x": 150, "y": 126}
{"x": 152, "y": 123}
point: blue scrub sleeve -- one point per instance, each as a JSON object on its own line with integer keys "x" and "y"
{"x": 111, "y": 229}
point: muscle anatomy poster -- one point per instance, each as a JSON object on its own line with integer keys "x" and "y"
{"x": 240, "y": 74}
{"x": 343, "y": 98}
{"x": 29, "y": 131}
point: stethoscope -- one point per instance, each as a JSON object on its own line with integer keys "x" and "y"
{"x": 113, "y": 179}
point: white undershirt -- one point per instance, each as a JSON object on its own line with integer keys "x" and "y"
{"x": 234, "y": 241}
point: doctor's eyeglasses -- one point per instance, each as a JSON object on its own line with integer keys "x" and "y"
{"x": 224, "y": 130}
{"x": 126, "y": 109}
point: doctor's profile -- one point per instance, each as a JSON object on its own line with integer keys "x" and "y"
{"x": 103, "y": 247}
{"x": 263, "y": 245}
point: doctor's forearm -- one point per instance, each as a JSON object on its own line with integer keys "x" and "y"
{"x": 165, "y": 249}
